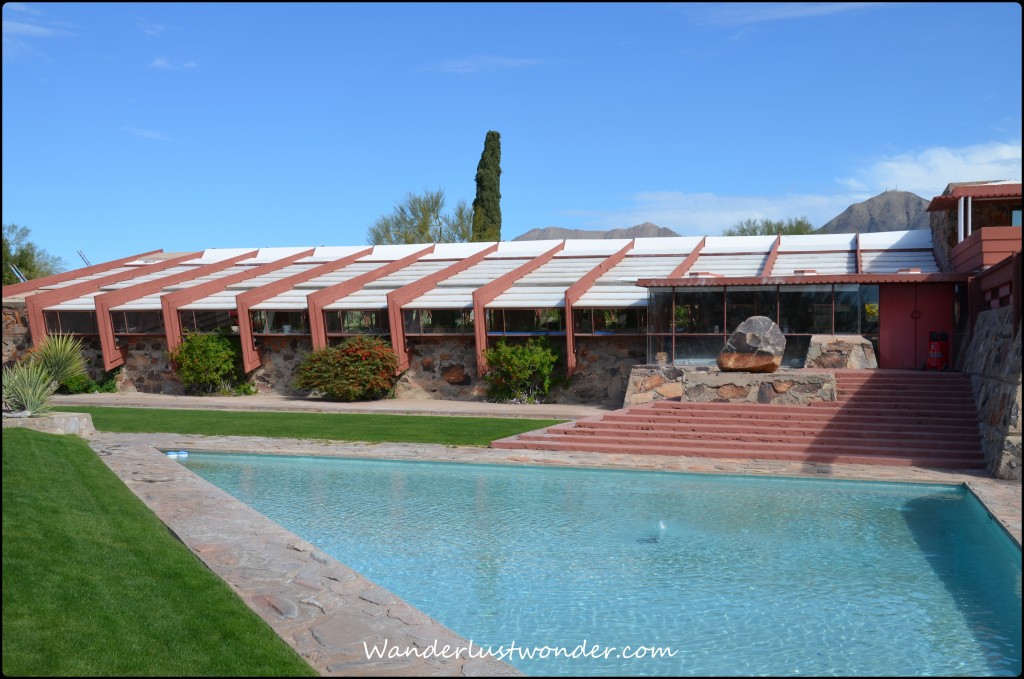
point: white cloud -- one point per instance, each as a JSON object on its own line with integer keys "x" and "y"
{"x": 743, "y": 13}
{"x": 21, "y": 7}
{"x": 150, "y": 28}
{"x": 145, "y": 134}
{"x": 481, "y": 64}
{"x": 30, "y": 30}
{"x": 167, "y": 64}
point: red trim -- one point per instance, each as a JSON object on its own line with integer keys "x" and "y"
{"x": 321, "y": 298}
{"x": 685, "y": 265}
{"x": 36, "y": 283}
{"x": 38, "y": 302}
{"x": 251, "y": 358}
{"x": 112, "y": 357}
{"x": 860, "y": 259}
{"x": 172, "y": 301}
{"x": 402, "y": 296}
{"x": 487, "y": 293}
{"x": 769, "y": 263}
{"x": 573, "y": 294}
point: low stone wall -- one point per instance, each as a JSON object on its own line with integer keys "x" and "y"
{"x": 703, "y": 384}
{"x": 603, "y": 366}
{"x": 280, "y": 357}
{"x": 16, "y": 338}
{"x": 442, "y": 368}
{"x": 840, "y": 351}
{"x": 993, "y": 360}
{"x": 79, "y": 424}
{"x": 147, "y": 368}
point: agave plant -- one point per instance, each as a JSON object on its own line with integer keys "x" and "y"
{"x": 60, "y": 356}
{"x": 27, "y": 389}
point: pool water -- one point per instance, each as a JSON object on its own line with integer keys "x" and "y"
{"x": 736, "y": 575}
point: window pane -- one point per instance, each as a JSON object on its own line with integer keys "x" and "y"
{"x": 869, "y": 310}
{"x": 411, "y": 321}
{"x": 699, "y": 310}
{"x": 848, "y": 309}
{"x": 659, "y": 349}
{"x": 78, "y": 322}
{"x": 660, "y": 304}
{"x": 743, "y": 302}
{"x": 258, "y": 321}
{"x": 805, "y": 309}
{"x": 629, "y": 321}
{"x": 698, "y": 350}
{"x": 209, "y": 321}
{"x": 796, "y": 351}
{"x": 583, "y": 321}
{"x": 52, "y": 322}
{"x": 138, "y": 322}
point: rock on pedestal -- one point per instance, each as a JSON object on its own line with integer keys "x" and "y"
{"x": 755, "y": 346}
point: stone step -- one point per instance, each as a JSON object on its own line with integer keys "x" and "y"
{"x": 516, "y": 443}
{"x": 768, "y": 440}
{"x": 809, "y": 415}
{"x": 813, "y": 411}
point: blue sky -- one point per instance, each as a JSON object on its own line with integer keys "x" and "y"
{"x": 134, "y": 127}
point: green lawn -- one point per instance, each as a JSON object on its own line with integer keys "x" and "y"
{"x": 453, "y": 431}
{"x": 94, "y": 584}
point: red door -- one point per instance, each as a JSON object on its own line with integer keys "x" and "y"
{"x": 907, "y": 314}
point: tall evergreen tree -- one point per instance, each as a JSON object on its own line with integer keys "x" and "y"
{"x": 487, "y": 204}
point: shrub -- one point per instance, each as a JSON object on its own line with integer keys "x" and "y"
{"x": 77, "y": 384}
{"x": 520, "y": 373}
{"x": 108, "y": 385}
{"x": 207, "y": 363}
{"x": 61, "y": 357}
{"x": 27, "y": 389}
{"x": 359, "y": 369}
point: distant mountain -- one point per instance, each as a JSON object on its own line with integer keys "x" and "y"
{"x": 888, "y": 211}
{"x": 645, "y": 230}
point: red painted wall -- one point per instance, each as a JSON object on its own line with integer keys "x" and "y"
{"x": 907, "y": 314}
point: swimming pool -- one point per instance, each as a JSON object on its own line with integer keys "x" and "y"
{"x": 736, "y": 575}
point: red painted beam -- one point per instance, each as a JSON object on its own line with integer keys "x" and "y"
{"x": 685, "y": 265}
{"x": 769, "y": 263}
{"x": 321, "y": 298}
{"x": 112, "y": 356}
{"x": 487, "y": 293}
{"x": 398, "y": 298}
{"x": 573, "y": 294}
{"x": 36, "y": 283}
{"x": 860, "y": 260}
{"x": 250, "y": 355}
{"x": 38, "y": 302}
{"x": 172, "y": 301}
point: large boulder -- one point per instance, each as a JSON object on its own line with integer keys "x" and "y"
{"x": 755, "y": 346}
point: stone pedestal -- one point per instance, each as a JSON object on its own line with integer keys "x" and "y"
{"x": 841, "y": 351}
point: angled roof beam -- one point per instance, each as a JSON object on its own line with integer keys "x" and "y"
{"x": 407, "y": 293}
{"x": 251, "y": 358}
{"x": 685, "y": 265}
{"x": 316, "y": 301}
{"x": 769, "y": 263}
{"x": 860, "y": 261}
{"x": 112, "y": 356}
{"x": 36, "y": 283}
{"x": 573, "y": 294}
{"x": 172, "y": 301}
{"x": 38, "y": 302}
{"x": 487, "y": 293}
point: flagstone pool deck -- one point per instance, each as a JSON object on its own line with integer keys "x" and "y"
{"x": 328, "y": 612}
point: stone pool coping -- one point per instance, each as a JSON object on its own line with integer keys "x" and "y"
{"x": 324, "y": 609}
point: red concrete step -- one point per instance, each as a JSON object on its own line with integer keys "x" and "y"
{"x": 864, "y": 418}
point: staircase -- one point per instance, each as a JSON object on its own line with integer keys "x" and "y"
{"x": 890, "y": 417}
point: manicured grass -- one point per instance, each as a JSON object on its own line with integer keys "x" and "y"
{"x": 95, "y": 585}
{"x": 453, "y": 431}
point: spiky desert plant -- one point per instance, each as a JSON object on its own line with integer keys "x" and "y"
{"x": 60, "y": 356}
{"x": 27, "y": 389}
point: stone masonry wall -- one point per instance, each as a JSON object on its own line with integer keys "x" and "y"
{"x": 281, "y": 356}
{"x": 993, "y": 360}
{"x": 603, "y": 366}
{"x": 16, "y": 339}
{"x": 442, "y": 368}
{"x": 147, "y": 368}
{"x": 708, "y": 384}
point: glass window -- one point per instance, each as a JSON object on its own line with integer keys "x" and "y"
{"x": 534, "y": 321}
{"x": 71, "y": 322}
{"x": 805, "y": 309}
{"x": 698, "y": 350}
{"x": 438, "y": 321}
{"x": 137, "y": 322}
{"x": 847, "y": 309}
{"x": 621, "y": 321}
{"x": 742, "y": 302}
{"x": 796, "y": 351}
{"x": 357, "y": 322}
{"x": 659, "y": 349}
{"x": 699, "y": 310}
{"x": 583, "y": 321}
{"x": 659, "y": 301}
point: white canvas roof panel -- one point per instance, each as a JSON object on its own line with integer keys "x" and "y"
{"x": 456, "y": 250}
{"x": 818, "y": 242}
{"x": 268, "y": 255}
{"x": 231, "y": 270}
{"x": 681, "y": 245}
{"x": 888, "y": 240}
{"x": 331, "y": 253}
{"x": 391, "y": 253}
{"x": 612, "y": 296}
{"x": 258, "y": 281}
{"x": 486, "y": 271}
{"x": 729, "y": 265}
{"x": 822, "y": 263}
{"x": 83, "y": 303}
{"x": 444, "y": 298}
{"x": 563, "y": 272}
{"x": 737, "y": 244}
{"x": 523, "y": 248}
{"x": 74, "y": 281}
{"x": 214, "y": 255}
{"x": 147, "y": 303}
{"x": 892, "y": 262}
{"x": 585, "y": 247}
{"x": 529, "y": 297}
{"x": 632, "y": 268}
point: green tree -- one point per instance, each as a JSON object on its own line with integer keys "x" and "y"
{"x": 770, "y": 227}
{"x": 418, "y": 218}
{"x": 33, "y": 261}
{"x": 487, "y": 204}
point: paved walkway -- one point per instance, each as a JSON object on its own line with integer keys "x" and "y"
{"x": 277, "y": 402}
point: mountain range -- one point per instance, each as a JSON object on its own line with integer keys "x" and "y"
{"x": 888, "y": 211}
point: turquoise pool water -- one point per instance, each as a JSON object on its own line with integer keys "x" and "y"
{"x": 736, "y": 575}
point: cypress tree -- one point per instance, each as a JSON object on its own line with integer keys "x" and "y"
{"x": 487, "y": 204}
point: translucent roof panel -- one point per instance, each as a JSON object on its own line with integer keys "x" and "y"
{"x": 529, "y": 297}
{"x": 729, "y": 265}
{"x": 83, "y": 303}
{"x": 560, "y": 272}
{"x": 681, "y": 245}
{"x": 214, "y": 255}
{"x": 270, "y": 277}
{"x": 891, "y": 262}
{"x": 268, "y": 255}
{"x": 887, "y": 240}
{"x": 83, "y": 279}
{"x": 523, "y": 248}
{"x": 289, "y": 298}
{"x": 738, "y": 244}
{"x": 390, "y": 253}
{"x": 612, "y": 296}
{"x": 332, "y": 253}
{"x": 584, "y": 247}
{"x": 444, "y": 298}
{"x": 483, "y": 273}
{"x": 818, "y": 242}
{"x": 231, "y": 270}
{"x": 410, "y": 274}
{"x": 456, "y": 250}
{"x": 821, "y": 262}
{"x": 631, "y": 268}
